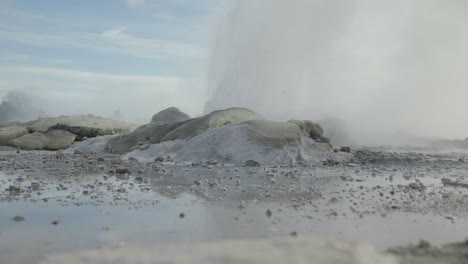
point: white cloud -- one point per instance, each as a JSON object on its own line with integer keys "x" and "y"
{"x": 116, "y": 41}
{"x": 120, "y": 40}
{"x": 134, "y": 3}
{"x": 114, "y": 33}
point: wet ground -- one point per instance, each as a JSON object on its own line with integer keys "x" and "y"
{"x": 53, "y": 203}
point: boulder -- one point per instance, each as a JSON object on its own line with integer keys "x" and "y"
{"x": 171, "y": 114}
{"x": 33, "y": 141}
{"x": 92, "y": 145}
{"x": 59, "y": 139}
{"x": 81, "y": 132}
{"x": 9, "y": 133}
{"x": 151, "y": 133}
{"x": 196, "y": 126}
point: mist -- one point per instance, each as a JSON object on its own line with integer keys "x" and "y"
{"x": 379, "y": 66}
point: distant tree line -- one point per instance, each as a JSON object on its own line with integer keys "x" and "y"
{"x": 17, "y": 106}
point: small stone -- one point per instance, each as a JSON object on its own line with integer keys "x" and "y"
{"x": 252, "y": 163}
{"x": 181, "y": 215}
{"x": 14, "y": 190}
{"x": 345, "y": 149}
{"x": 116, "y": 161}
{"x": 212, "y": 162}
{"x": 451, "y": 218}
{"x": 85, "y": 192}
{"x": 159, "y": 159}
{"x": 55, "y": 222}
{"x": 35, "y": 186}
{"x": 18, "y": 219}
{"x": 269, "y": 213}
{"x": 197, "y": 182}
{"x": 139, "y": 179}
{"x": 122, "y": 170}
{"x": 59, "y": 155}
{"x": 293, "y": 234}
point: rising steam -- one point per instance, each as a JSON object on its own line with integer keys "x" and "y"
{"x": 381, "y": 66}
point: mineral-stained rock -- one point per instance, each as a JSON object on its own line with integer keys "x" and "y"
{"x": 33, "y": 141}
{"x": 81, "y": 125}
{"x": 9, "y": 133}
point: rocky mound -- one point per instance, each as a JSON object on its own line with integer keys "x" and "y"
{"x": 169, "y": 125}
{"x": 266, "y": 142}
{"x": 58, "y": 133}
{"x": 231, "y": 136}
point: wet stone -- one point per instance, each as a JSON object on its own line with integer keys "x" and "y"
{"x": 35, "y": 186}
{"x": 252, "y": 163}
{"x": 18, "y": 219}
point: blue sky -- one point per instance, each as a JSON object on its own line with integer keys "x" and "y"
{"x": 83, "y": 56}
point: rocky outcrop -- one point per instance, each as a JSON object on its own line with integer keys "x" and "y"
{"x": 59, "y": 133}
{"x": 83, "y": 132}
{"x": 104, "y": 126}
{"x": 268, "y": 142}
{"x": 167, "y": 126}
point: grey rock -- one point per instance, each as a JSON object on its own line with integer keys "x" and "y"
{"x": 197, "y": 126}
{"x": 311, "y": 129}
{"x": 171, "y": 114}
{"x": 18, "y": 219}
{"x": 252, "y": 163}
{"x": 59, "y": 139}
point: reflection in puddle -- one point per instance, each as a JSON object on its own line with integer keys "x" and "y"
{"x": 100, "y": 210}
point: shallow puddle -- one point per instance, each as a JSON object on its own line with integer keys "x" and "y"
{"x": 199, "y": 204}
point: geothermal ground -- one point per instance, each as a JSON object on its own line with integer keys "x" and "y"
{"x": 54, "y": 203}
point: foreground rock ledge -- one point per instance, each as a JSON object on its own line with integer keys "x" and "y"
{"x": 288, "y": 250}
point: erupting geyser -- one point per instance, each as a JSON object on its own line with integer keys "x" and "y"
{"x": 383, "y": 66}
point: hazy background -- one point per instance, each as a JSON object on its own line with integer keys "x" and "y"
{"x": 380, "y": 66}
{"x": 95, "y": 57}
